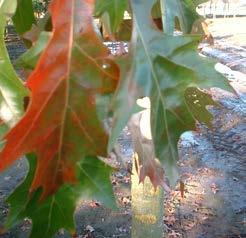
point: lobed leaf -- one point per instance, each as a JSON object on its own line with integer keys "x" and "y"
{"x": 57, "y": 211}
{"x": 29, "y": 59}
{"x": 183, "y": 10}
{"x": 61, "y": 124}
{"x": 48, "y": 216}
{"x": 163, "y": 68}
{"x": 115, "y": 10}
{"x": 95, "y": 183}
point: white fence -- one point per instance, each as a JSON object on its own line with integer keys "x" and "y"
{"x": 222, "y": 8}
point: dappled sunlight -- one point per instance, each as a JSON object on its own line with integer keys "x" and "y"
{"x": 5, "y": 112}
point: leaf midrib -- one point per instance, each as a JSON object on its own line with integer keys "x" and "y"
{"x": 67, "y": 87}
{"x": 82, "y": 51}
{"x": 157, "y": 85}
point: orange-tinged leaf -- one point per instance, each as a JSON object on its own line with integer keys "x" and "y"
{"x": 61, "y": 124}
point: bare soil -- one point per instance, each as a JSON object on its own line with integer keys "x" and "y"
{"x": 229, "y": 30}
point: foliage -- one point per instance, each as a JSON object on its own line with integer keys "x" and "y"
{"x": 12, "y": 91}
{"x": 40, "y": 6}
{"x": 24, "y": 17}
{"x": 114, "y": 9}
{"x": 73, "y": 75}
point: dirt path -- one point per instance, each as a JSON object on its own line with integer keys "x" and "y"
{"x": 213, "y": 162}
{"x": 213, "y": 167}
{"x": 229, "y": 42}
{"x": 229, "y": 30}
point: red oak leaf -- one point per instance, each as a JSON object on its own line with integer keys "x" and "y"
{"x": 61, "y": 124}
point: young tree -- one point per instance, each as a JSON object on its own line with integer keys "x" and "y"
{"x": 73, "y": 75}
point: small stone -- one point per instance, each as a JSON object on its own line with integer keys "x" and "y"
{"x": 7, "y": 178}
{"x": 89, "y": 228}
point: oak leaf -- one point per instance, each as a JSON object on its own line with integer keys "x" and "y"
{"x": 57, "y": 211}
{"x": 115, "y": 10}
{"x": 61, "y": 124}
{"x": 168, "y": 70}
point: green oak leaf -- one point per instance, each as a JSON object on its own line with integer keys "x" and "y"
{"x": 115, "y": 10}
{"x": 28, "y": 60}
{"x": 24, "y": 16}
{"x": 163, "y": 68}
{"x": 184, "y": 10}
{"x": 94, "y": 177}
{"x": 12, "y": 90}
{"x": 124, "y": 101}
{"x": 49, "y": 216}
{"x": 18, "y": 200}
{"x": 57, "y": 211}
{"x": 195, "y": 100}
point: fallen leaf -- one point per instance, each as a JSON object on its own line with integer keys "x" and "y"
{"x": 89, "y": 228}
{"x": 214, "y": 188}
{"x": 182, "y": 188}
